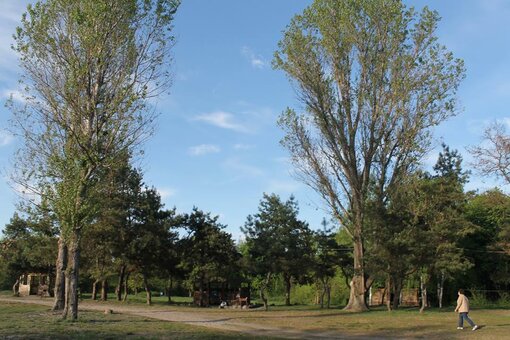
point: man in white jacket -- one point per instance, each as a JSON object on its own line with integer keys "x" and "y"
{"x": 463, "y": 310}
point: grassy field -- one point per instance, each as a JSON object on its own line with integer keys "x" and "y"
{"x": 37, "y": 322}
{"x": 20, "y": 321}
{"x": 404, "y": 323}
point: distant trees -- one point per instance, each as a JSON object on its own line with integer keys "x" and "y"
{"x": 208, "y": 252}
{"x": 434, "y": 233}
{"x": 326, "y": 262}
{"x": 277, "y": 242}
{"x": 420, "y": 230}
{"x": 373, "y": 80}
{"x": 488, "y": 247}
{"x": 28, "y": 245}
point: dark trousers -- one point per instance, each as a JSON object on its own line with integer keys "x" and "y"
{"x": 464, "y": 316}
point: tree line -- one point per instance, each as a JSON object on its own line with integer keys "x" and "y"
{"x": 436, "y": 235}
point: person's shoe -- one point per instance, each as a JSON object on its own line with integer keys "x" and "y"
{"x": 460, "y": 327}
{"x": 476, "y": 327}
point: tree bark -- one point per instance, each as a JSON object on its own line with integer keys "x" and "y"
{"x": 104, "y": 290}
{"x": 388, "y": 289}
{"x": 328, "y": 294}
{"x": 94, "y": 290}
{"x": 126, "y": 281}
{"x": 72, "y": 275}
{"x": 147, "y": 289}
{"x": 169, "y": 285}
{"x": 262, "y": 289}
{"x": 397, "y": 288}
{"x": 201, "y": 292}
{"x": 60, "y": 277}
{"x": 357, "y": 301}
{"x": 15, "y": 288}
{"x": 440, "y": 289}
{"x": 322, "y": 293}
{"x": 423, "y": 288}
{"x": 287, "y": 279}
{"x": 118, "y": 289}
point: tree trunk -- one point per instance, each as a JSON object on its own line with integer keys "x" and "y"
{"x": 15, "y": 288}
{"x": 104, "y": 290}
{"x": 126, "y": 281}
{"x": 201, "y": 292}
{"x": 322, "y": 293}
{"x": 397, "y": 288}
{"x": 118, "y": 289}
{"x": 147, "y": 289}
{"x": 328, "y": 294}
{"x": 287, "y": 279}
{"x": 169, "y": 285}
{"x": 423, "y": 288}
{"x": 72, "y": 278}
{"x": 440, "y": 289}
{"x": 94, "y": 290}
{"x": 60, "y": 277}
{"x": 357, "y": 301}
{"x": 388, "y": 289}
{"x": 262, "y": 290}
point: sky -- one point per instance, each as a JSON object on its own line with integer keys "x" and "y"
{"x": 216, "y": 144}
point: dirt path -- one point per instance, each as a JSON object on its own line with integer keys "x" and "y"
{"x": 220, "y": 322}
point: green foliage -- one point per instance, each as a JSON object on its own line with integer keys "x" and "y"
{"x": 488, "y": 246}
{"x": 278, "y": 242}
{"x": 28, "y": 245}
{"x": 373, "y": 80}
{"x": 208, "y": 252}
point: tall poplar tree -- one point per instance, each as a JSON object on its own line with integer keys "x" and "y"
{"x": 89, "y": 68}
{"x": 373, "y": 80}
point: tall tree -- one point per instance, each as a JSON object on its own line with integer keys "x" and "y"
{"x": 89, "y": 68}
{"x": 373, "y": 80}
{"x": 152, "y": 236}
{"x": 208, "y": 251}
{"x": 279, "y": 243}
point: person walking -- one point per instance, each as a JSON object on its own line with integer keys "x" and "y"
{"x": 463, "y": 310}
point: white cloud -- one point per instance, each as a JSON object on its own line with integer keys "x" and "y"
{"x": 243, "y": 147}
{"x": 203, "y": 149}
{"x": 256, "y": 60}
{"x": 167, "y": 192}
{"x": 223, "y": 120}
{"x": 5, "y": 138}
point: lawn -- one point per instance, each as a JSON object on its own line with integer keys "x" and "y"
{"x": 20, "y": 321}
{"x": 37, "y": 322}
{"x": 404, "y": 323}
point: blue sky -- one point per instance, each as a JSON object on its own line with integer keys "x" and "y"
{"x": 216, "y": 145}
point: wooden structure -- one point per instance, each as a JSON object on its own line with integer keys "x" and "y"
{"x": 35, "y": 284}
{"x": 218, "y": 292}
{"x": 410, "y": 297}
{"x": 378, "y": 296}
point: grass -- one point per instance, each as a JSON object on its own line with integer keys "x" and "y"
{"x": 20, "y": 321}
{"x": 404, "y": 323}
{"x": 34, "y": 321}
